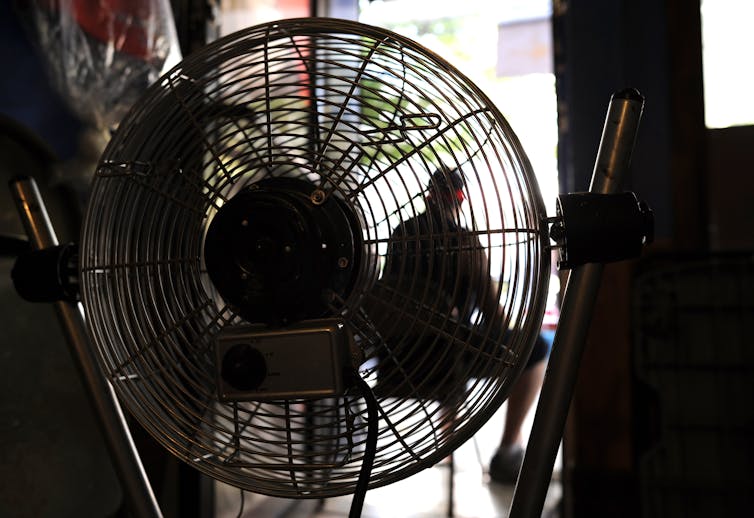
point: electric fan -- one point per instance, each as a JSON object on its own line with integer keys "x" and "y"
{"x": 251, "y": 278}
{"x": 314, "y": 261}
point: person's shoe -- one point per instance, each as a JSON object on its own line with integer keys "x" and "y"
{"x": 506, "y": 463}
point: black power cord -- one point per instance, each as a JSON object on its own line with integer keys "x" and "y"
{"x": 241, "y": 510}
{"x": 370, "y": 448}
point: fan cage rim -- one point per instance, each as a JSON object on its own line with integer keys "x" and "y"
{"x": 477, "y": 419}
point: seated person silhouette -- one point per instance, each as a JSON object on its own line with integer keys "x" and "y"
{"x": 436, "y": 294}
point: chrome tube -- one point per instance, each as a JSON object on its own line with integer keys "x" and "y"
{"x": 613, "y": 157}
{"x": 125, "y": 458}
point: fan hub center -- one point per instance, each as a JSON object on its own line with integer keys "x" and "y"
{"x": 277, "y": 257}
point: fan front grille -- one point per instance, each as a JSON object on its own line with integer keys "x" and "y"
{"x": 368, "y": 117}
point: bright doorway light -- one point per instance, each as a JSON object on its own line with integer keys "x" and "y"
{"x": 505, "y": 48}
{"x": 727, "y": 45}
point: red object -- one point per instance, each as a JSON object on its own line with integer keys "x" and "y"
{"x": 550, "y": 320}
{"x": 131, "y": 26}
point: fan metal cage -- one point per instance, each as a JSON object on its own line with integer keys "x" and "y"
{"x": 373, "y": 120}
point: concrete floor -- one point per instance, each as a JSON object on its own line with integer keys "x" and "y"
{"x": 424, "y": 495}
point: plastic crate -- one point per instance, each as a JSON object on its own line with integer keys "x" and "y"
{"x": 693, "y": 348}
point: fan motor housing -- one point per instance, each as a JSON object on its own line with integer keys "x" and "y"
{"x": 279, "y": 255}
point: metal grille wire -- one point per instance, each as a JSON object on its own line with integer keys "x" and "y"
{"x": 367, "y": 116}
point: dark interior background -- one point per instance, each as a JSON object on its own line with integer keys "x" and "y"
{"x": 658, "y": 425}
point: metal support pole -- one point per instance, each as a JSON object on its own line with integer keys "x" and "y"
{"x": 133, "y": 478}
{"x": 613, "y": 157}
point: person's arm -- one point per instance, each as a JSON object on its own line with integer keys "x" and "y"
{"x": 479, "y": 283}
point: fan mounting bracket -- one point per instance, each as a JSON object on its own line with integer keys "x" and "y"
{"x": 600, "y": 228}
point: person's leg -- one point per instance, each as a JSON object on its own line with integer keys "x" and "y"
{"x": 506, "y": 463}
{"x": 520, "y": 399}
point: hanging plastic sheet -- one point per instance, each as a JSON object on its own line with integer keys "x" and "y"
{"x": 103, "y": 54}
